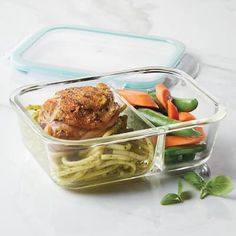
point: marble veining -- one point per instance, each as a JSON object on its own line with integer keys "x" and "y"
{"x": 32, "y": 205}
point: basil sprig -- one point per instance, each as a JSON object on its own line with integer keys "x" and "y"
{"x": 173, "y": 198}
{"x": 194, "y": 179}
{"x": 216, "y": 186}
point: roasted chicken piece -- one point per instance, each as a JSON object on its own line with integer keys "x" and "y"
{"x": 79, "y": 112}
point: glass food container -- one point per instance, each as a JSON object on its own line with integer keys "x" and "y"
{"x": 138, "y": 150}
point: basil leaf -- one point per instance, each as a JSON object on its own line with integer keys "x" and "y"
{"x": 219, "y": 186}
{"x": 170, "y": 198}
{"x": 180, "y": 187}
{"x": 186, "y": 195}
{"x": 194, "y": 179}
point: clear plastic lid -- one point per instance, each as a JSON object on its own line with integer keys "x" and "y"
{"x": 70, "y": 51}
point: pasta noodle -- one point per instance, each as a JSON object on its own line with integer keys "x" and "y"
{"x": 105, "y": 162}
{"x": 34, "y": 110}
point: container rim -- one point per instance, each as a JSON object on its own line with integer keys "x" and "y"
{"x": 217, "y": 116}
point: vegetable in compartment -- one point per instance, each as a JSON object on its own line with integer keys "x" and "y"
{"x": 181, "y": 145}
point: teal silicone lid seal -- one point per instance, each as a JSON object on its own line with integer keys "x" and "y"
{"x": 74, "y": 51}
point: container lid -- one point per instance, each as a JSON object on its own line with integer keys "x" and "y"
{"x": 70, "y": 50}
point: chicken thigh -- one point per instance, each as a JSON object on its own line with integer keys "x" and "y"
{"x": 79, "y": 112}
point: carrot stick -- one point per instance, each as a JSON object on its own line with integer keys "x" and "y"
{"x": 137, "y": 98}
{"x": 186, "y": 116}
{"x": 163, "y": 94}
{"x": 172, "y": 140}
{"x": 172, "y": 110}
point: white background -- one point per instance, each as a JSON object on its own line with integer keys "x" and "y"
{"x": 30, "y": 204}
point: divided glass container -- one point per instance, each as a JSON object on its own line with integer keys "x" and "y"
{"x": 138, "y": 151}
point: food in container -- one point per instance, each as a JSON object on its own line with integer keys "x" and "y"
{"x": 116, "y": 142}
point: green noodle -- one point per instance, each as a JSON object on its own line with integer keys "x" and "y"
{"x": 34, "y": 110}
{"x": 108, "y": 162}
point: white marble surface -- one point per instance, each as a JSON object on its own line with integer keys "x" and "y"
{"x": 30, "y": 204}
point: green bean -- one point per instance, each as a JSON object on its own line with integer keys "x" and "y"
{"x": 187, "y": 149}
{"x": 185, "y": 104}
{"x": 159, "y": 119}
{"x": 170, "y": 160}
{"x": 185, "y": 153}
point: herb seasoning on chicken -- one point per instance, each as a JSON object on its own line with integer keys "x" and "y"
{"x": 79, "y": 112}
